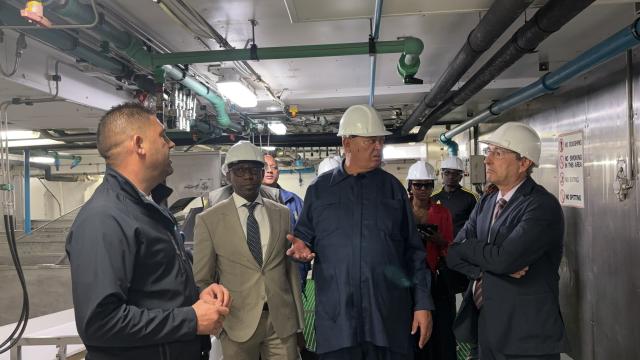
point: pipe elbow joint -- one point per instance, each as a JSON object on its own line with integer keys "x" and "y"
{"x": 412, "y": 46}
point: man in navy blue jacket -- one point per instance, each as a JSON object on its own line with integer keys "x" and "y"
{"x": 134, "y": 293}
{"x": 372, "y": 285}
{"x": 511, "y": 247}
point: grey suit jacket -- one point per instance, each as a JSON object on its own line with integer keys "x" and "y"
{"x": 518, "y": 316}
{"x": 221, "y": 255}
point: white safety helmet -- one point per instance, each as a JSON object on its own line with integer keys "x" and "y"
{"x": 242, "y": 151}
{"x": 362, "y": 120}
{"x": 517, "y": 137}
{"x": 421, "y": 170}
{"x": 452, "y": 162}
{"x": 329, "y": 164}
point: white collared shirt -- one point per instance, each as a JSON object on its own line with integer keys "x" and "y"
{"x": 261, "y": 217}
{"x": 506, "y": 197}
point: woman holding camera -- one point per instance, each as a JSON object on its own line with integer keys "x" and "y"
{"x": 435, "y": 226}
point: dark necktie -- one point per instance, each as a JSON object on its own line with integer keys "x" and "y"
{"x": 477, "y": 287}
{"x": 253, "y": 233}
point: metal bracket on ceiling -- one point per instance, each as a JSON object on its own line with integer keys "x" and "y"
{"x": 372, "y": 45}
{"x": 253, "y": 50}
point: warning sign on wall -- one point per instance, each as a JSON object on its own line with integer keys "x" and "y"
{"x": 570, "y": 169}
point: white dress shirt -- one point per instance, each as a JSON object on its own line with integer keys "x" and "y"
{"x": 261, "y": 217}
{"x": 506, "y": 197}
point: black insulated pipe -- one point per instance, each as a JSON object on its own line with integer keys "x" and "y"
{"x": 493, "y": 24}
{"x": 549, "y": 19}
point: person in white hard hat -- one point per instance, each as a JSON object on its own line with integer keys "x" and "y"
{"x": 329, "y": 163}
{"x": 372, "y": 284}
{"x": 512, "y": 247}
{"x": 436, "y": 229}
{"x": 241, "y": 241}
{"x": 458, "y": 200}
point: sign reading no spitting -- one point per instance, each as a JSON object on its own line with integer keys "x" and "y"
{"x": 570, "y": 169}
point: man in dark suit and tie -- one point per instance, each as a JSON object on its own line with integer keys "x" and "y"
{"x": 511, "y": 248}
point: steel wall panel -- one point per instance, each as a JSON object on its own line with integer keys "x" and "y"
{"x": 599, "y": 286}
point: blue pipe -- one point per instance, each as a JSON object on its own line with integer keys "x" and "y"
{"x": 613, "y": 46}
{"x": 27, "y": 193}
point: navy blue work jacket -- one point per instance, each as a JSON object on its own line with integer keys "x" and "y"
{"x": 132, "y": 282}
{"x": 369, "y": 270}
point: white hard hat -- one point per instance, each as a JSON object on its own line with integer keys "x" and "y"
{"x": 517, "y": 137}
{"x": 452, "y": 162}
{"x": 242, "y": 151}
{"x": 329, "y": 164}
{"x": 421, "y": 170}
{"x": 362, "y": 120}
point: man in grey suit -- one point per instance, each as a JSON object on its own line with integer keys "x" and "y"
{"x": 511, "y": 248}
{"x": 241, "y": 243}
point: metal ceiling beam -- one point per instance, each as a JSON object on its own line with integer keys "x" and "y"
{"x": 409, "y": 46}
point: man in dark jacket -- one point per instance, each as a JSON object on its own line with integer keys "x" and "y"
{"x": 372, "y": 284}
{"x": 133, "y": 290}
{"x": 512, "y": 247}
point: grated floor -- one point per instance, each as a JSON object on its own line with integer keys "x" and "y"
{"x": 309, "y": 302}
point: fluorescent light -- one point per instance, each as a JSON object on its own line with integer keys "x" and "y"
{"x": 33, "y": 142}
{"x": 19, "y": 134}
{"x": 274, "y": 108}
{"x": 268, "y": 148}
{"x": 405, "y": 151}
{"x": 42, "y": 160}
{"x": 238, "y": 93}
{"x": 277, "y": 128}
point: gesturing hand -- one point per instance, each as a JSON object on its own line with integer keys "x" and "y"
{"x": 299, "y": 250}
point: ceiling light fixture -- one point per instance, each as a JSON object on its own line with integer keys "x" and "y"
{"x": 33, "y": 142}
{"x": 277, "y": 127}
{"x": 236, "y": 90}
{"x": 19, "y": 134}
{"x": 42, "y": 160}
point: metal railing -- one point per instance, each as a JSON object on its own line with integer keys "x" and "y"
{"x": 61, "y": 343}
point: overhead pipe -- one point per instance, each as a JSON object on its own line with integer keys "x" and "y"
{"x": 199, "y": 88}
{"x": 615, "y": 45}
{"x": 493, "y": 24}
{"x": 65, "y": 42}
{"x": 27, "y": 193}
{"x": 549, "y": 19}
{"x": 377, "y": 14}
{"x": 408, "y": 46}
{"x": 134, "y": 48}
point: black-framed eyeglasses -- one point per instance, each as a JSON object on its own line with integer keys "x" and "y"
{"x": 422, "y": 185}
{"x": 246, "y": 170}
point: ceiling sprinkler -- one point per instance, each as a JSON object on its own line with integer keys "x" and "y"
{"x": 33, "y": 12}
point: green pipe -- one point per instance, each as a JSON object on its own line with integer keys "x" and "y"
{"x": 409, "y": 46}
{"x": 83, "y": 14}
{"x": 62, "y": 40}
{"x": 74, "y": 11}
{"x": 134, "y": 48}
{"x": 196, "y": 86}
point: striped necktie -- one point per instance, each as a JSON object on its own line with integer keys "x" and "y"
{"x": 477, "y": 286}
{"x": 253, "y": 233}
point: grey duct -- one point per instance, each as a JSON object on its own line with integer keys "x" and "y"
{"x": 549, "y": 19}
{"x": 493, "y": 24}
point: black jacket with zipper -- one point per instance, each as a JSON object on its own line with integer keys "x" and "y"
{"x": 133, "y": 286}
